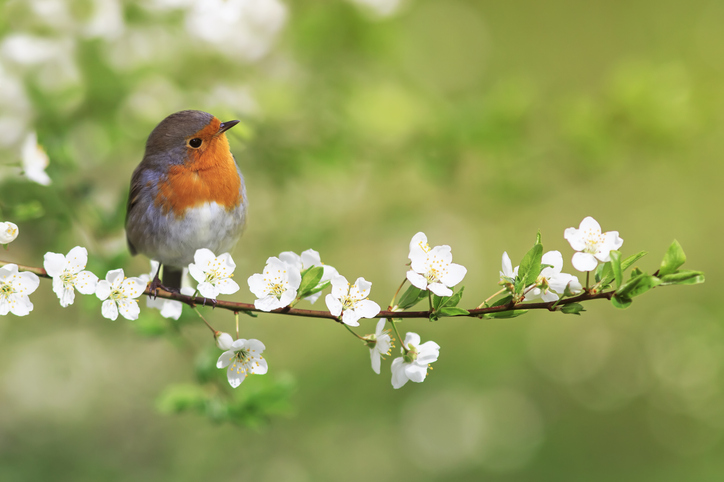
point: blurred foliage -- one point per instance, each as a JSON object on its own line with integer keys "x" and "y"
{"x": 364, "y": 122}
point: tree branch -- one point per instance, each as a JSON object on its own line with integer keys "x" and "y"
{"x": 249, "y": 307}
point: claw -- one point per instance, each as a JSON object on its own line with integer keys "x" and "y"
{"x": 156, "y": 284}
{"x": 210, "y": 300}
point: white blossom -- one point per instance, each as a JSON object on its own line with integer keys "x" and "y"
{"x": 351, "y": 301}
{"x": 508, "y": 274}
{"x": 379, "y": 344}
{"x": 591, "y": 244}
{"x": 213, "y": 274}
{"x": 223, "y": 340}
{"x": 276, "y": 287}
{"x": 308, "y": 259}
{"x": 551, "y": 282}
{"x": 415, "y": 361}
{"x": 35, "y": 160}
{"x": 8, "y": 232}
{"x": 433, "y": 269}
{"x": 242, "y": 359}
{"x": 68, "y": 275}
{"x": 119, "y": 294}
{"x": 14, "y": 290}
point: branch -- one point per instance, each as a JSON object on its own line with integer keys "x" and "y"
{"x": 248, "y": 307}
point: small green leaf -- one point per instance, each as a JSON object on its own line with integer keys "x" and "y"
{"x": 310, "y": 280}
{"x": 686, "y": 277}
{"x": 626, "y": 263}
{"x": 502, "y": 301}
{"x": 621, "y": 302}
{"x": 453, "y": 311}
{"x": 529, "y": 268}
{"x": 410, "y": 297}
{"x": 455, "y": 298}
{"x": 249, "y": 313}
{"x": 604, "y": 274}
{"x": 673, "y": 259}
{"x": 572, "y": 309}
{"x": 505, "y": 314}
{"x": 637, "y": 286}
{"x": 616, "y": 267}
{"x": 537, "y": 238}
{"x": 438, "y": 301}
{"x": 317, "y": 289}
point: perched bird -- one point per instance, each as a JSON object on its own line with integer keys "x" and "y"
{"x": 187, "y": 193}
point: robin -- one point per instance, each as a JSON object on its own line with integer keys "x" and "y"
{"x": 187, "y": 193}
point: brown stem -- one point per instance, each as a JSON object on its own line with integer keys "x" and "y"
{"x": 249, "y": 307}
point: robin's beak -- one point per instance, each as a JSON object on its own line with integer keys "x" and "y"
{"x": 225, "y": 126}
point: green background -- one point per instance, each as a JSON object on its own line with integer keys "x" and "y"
{"x": 477, "y": 122}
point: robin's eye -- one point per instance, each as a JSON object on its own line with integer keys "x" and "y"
{"x": 195, "y": 142}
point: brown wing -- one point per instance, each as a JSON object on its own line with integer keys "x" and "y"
{"x": 133, "y": 197}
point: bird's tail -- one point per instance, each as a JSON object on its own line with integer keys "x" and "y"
{"x": 172, "y": 277}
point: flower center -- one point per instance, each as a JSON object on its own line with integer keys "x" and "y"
{"x": 425, "y": 247}
{"x": 68, "y": 279}
{"x": 411, "y": 355}
{"x": 433, "y": 276}
{"x": 348, "y": 302}
{"x": 276, "y": 289}
{"x": 242, "y": 361}
{"x": 6, "y": 289}
{"x": 592, "y": 240}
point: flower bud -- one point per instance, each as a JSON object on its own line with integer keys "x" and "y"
{"x": 223, "y": 340}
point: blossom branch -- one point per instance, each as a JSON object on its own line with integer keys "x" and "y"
{"x": 237, "y": 307}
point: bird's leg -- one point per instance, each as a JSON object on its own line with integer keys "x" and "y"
{"x": 212, "y": 300}
{"x": 155, "y": 283}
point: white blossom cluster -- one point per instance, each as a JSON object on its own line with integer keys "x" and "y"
{"x": 290, "y": 277}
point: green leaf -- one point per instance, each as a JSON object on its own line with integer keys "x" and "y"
{"x": 317, "y": 289}
{"x": 310, "y": 279}
{"x": 537, "y": 238}
{"x": 438, "y": 301}
{"x": 453, "y": 311}
{"x": 673, "y": 259}
{"x": 572, "y": 309}
{"x": 616, "y": 267}
{"x": 626, "y": 263}
{"x": 411, "y": 297}
{"x": 685, "y": 277}
{"x": 604, "y": 274}
{"x": 505, "y": 314}
{"x": 529, "y": 268}
{"x": 637, "y": 286}
{"x": 621, "y": 302}
{"x": 455, "y": 298}
{"x": 502, "y": 301}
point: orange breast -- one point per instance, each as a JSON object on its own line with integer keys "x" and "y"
{"x": 209, "y": 175}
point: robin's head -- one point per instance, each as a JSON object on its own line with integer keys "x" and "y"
{"x": 188, "y": 135}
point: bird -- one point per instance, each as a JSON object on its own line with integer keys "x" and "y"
{"x": 186, "y": 194}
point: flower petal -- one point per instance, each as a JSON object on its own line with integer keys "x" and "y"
{"x": 399, "y": 378}
{"x": 333, "y": 304}
{"x": 292, "y": 259}
{"x": 417, "y": 280}
{"x": 362, "y": 287}
{"x": 555, "y": 259}
{"x": 235, "y": 377}
{"x": 109, "y": 310}
{"x": 575, "y": 238}
{"x": 197, "y": 273}
{"x": 440, "y": 289}
{"x": 115, "y": 278}
{"x": 340, "y": 286}
{"x": 225, "y": 359}
{"x": 227, "y": 286}
{"x": 375, "y": 360}
{"x": 207, "y": 290}
{"x": 203, "y": 258}
{"x": 86, "y": 283}
{"x": 380, "y": 327}
{"x": 310, "y": 258}
{"x": 129, "y": 309}
{"x": 413, "y": 338}
{"x": 259, "y": 367}
{"x": 590, "y": 225}
{"x": 584, "y": 262}
{"x": 77, "y": 259}
{"x": 54, "y": 264}
{"x": 351, "y": 317}
{"x": 428, "y": 352}
{"x": 454, "y": 275}
{"x": 255, "y": 346}
{"x": 367, "y": 309}
{"x": 267, "y": 303}
{"x": 171, "y": 309}
{"x": 103, "y": 289}
{"x": 415, "y": 373}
